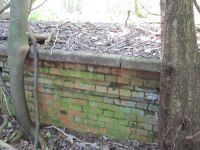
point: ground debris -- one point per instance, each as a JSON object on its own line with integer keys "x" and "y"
{"x": 100, "y": 38}
{"x": 57, "y": 140}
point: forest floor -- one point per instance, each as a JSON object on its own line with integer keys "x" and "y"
{"x": 102, "y": 38}
{"x": 72, "y": 140}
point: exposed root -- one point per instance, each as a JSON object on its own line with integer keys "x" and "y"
{"x": 4, "y": 124}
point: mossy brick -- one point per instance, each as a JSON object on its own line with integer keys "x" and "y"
{"x": 142, "y": 105}
{"x": 138, "y": 112}
{"x": 29, "y": 93}
{"x": 64, "y": 103}
{"x": 124, "y": 92}
{"x": 132, "y": 124}
{"x": 124, "y": 122}
{"x": 73, "y": 73}
{"x": 119, "y": 131}
{"x": 5, "y": 76}
{"x": 123, "y": 80}
{"x": 108, "y": 121}
{"x": 108, "y": 100}
{"x": 151, "y": 83}
{"x": 153, "y": 107}
{"x": 68, "y": 84}
{"x": 145, "y": 126}
{"x": 147, "y": 119}
{"x": 78, "y": 101}
{"x": 84, "y": 86}
{"x": 94, "y": 98}
{"x": 151, "y": 96}
{"x": 80, "y": 120}
{"x": 76, "y": 107}
{"x": 109, "y": 107}
{"x": 151, "y": 119}
{"x": 110, "y": 78}
{"x": 43, "y": 69}
{"x": 74, "y": 66}
{"x": 123, "y": 72}
{"x": 45, "y": 81}
{"x": 101, "y": 89}
{"x": 108, "y": 113}
{"x": 141, "y": 138}
{"x": 28, "y": 79}
{"x": 125, "y": 116}
{"x": 146, "y": 89}
{"x": 92, "y": 116}
{"x": 92, "y": 76}
{"x": 117, "y": 101}
{"x": 128, "y": 103}
{"x": 126, "y": 110}
{"x": 48, "y": 64}
{"x": 139, "y": 95}
{"x": 113, "y": 91}
{"x": 95, "y": 123}
{"x": 93, "y": 110}
{"x": 94, "y": 104}
{"x": 99, "y": 69}
{"x": 142, "y": 132}
{"x": 137, "y": 82}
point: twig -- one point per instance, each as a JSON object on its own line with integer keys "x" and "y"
{"x": 72, "y": 137}
{"x": 54, "y": 43}
{"x": 126, "y": 22}
{"x": 5, "y": 7}
{"x": 39, "y": 5}
{"x": 196, "y": 5}
{"x": 117, "y": 144}
{"x": 147, "y": 10}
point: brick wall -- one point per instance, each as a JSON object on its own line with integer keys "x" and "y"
{"x": 100, "y": 99}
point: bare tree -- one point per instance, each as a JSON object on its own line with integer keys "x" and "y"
{"x": 179, "y": 122}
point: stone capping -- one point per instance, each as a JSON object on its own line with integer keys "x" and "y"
{"x": 109, "y": 60}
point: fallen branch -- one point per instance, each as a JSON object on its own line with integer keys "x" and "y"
{"x": 7, "y": 146}
{"x": 71, "y": 138}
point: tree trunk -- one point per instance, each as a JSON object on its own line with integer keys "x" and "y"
{"x": 179, "y": 122}
{"x": 17, "y": 50}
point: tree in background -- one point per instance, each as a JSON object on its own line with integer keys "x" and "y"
{"x": 179, "y": 122}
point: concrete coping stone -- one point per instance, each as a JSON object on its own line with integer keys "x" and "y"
{"x": 110, "y": 60}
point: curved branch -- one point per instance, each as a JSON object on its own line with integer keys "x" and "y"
{"x": 196, "y": 5}
{"x": 5, "y": 7}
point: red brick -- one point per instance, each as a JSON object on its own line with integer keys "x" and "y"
{"x": 123, "y": 72}
{"x": 122, "y": 80}
{"x": 148, "y": 75}
{"x": 75, "y": 66}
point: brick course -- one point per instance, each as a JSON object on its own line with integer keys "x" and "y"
{"x": 105, "y": 100}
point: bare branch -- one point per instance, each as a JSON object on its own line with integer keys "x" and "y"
{"x": 39, "y": 5}
{"x": 196, "y": 5}
{"x": 5, "y": 7}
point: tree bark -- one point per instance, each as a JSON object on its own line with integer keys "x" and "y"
{"x": 179, "y": 100}
{"x": 17, "y": 50}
